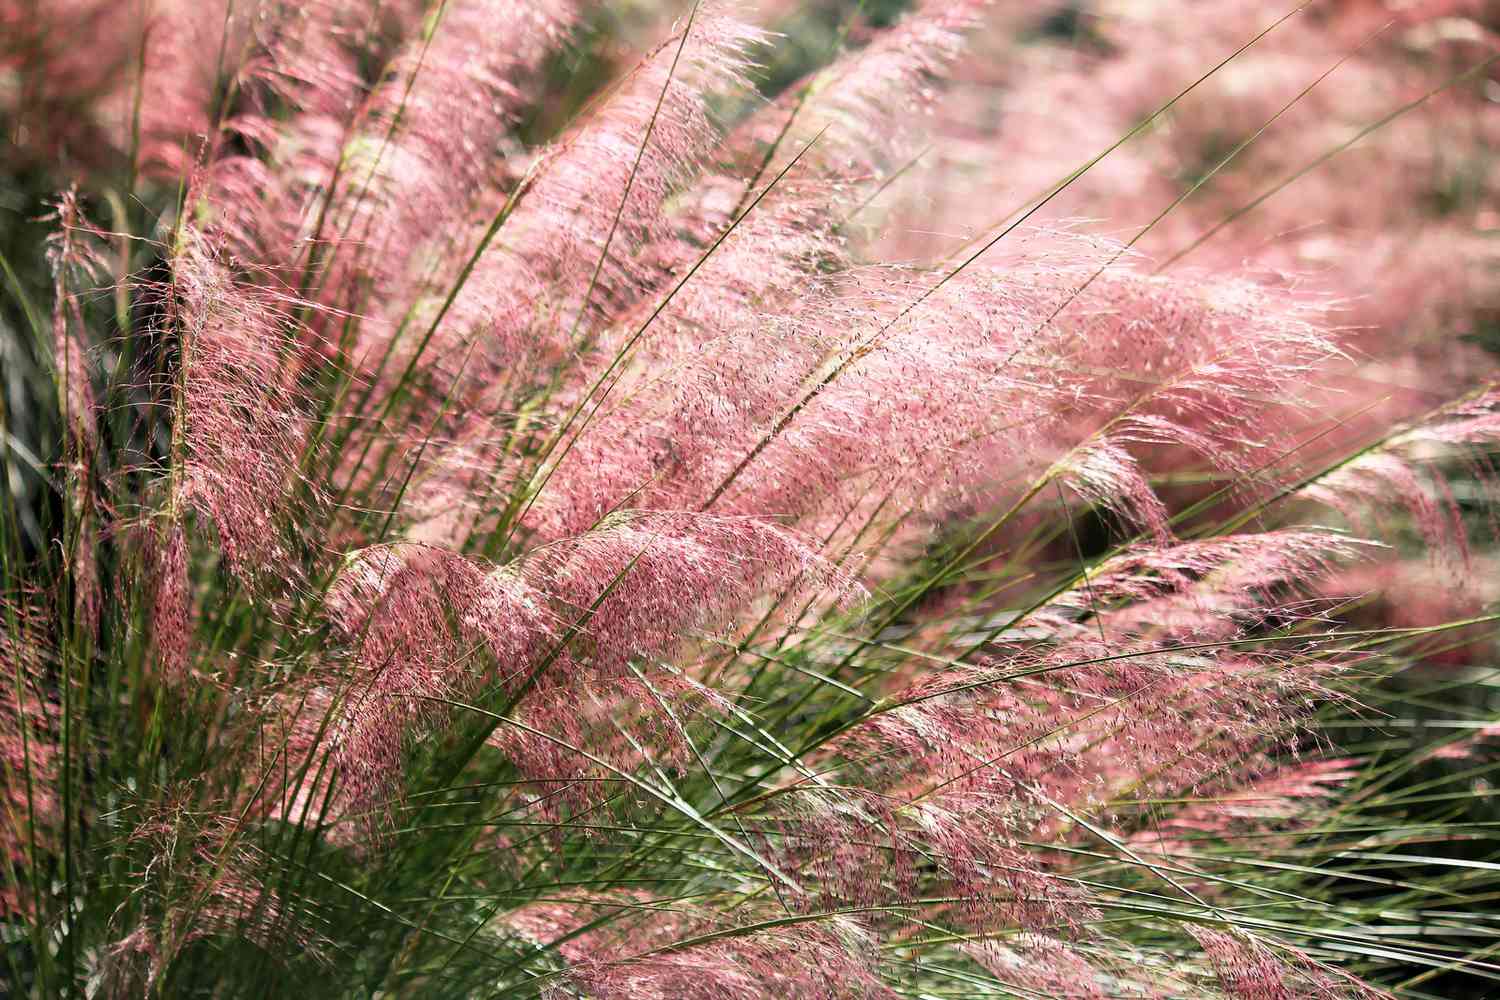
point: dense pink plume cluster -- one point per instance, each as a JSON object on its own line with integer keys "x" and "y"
{"x": 880, "y": 89}
{"x": 565, "y": 257}
{"x": 75, "y": 258}
{"x": 565, "y": 628}
{"x": 1041, "y": 964}
{"x": 983, "y": 760}
{"x": 239, "y": 428}
{"x": 393, "y": 605}
{"x": 1249, "y": 970}
{"x": 982, "y": 373}
{"x": 698, "y": 956}
{"x": 423, "y": 146}
{"x": 169, "y": 600}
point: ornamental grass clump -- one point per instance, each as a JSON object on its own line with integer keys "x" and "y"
{"x": 481, "y": 519}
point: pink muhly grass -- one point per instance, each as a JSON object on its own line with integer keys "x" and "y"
{"x": 878, "y": 89}
{"x": 923, "y": 383}
{"x": 1043, "y": 965}
{"x": 197, "y": 879}
{"x": 393, "y": 605}
{"x": 646, "y": 960}
{"x": 73, "y": 257}
{"x": 238, "y": 429}
{"x": 1296, "y": 791}
{"x": 1248, "y": 970}
{"x": 1398, "y": 471}
{"x": 61, "y": 76}
{"x": 425, "y": 136}
{"x": 169, "y": 600}
{"x": 597, "y": 197}
{"x": 429, "y": 626}
{"x": 30, "y": 757}
{"x": 579, "y": 566}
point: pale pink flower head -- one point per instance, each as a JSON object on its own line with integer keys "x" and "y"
{"x": 241, "y": 429}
